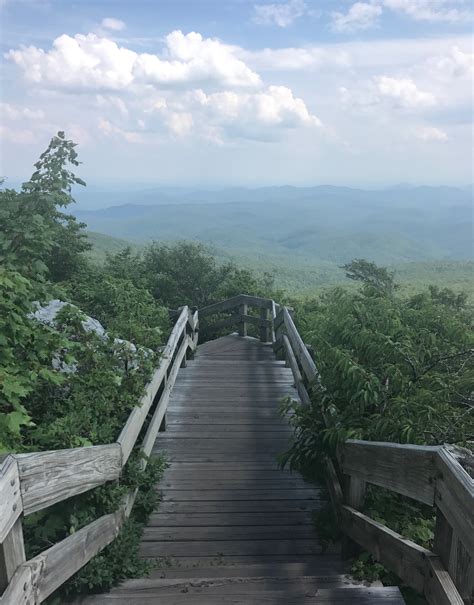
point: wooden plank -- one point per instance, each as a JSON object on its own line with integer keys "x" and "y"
{"x": 320, "y": 596}
{"x": 221, "y": 306}
{"x": 243, "y": 319}
{"x": 22, "y": 589}
{"x": 53, "y": 476}
{"x": 406, "y": 469}
{"x": 221, "y": 519}
{"x": 241, "y": 506}
{"x": 133, "y": 426}
{"x": 454, "y": 496}
{"x": 320, "y": 565}
{"x": 237, "y": 495}
{"x": 10, "y": 495}
{"x": 402, "y": 556}
{"x": 417, "y": 567}
{"x": 155, "y": 423}
{"x": 334, "y": 488}
{"x": 12, "y": 554}
{"x": 212, "y": 533}
{"x": 65, "y": 558}
{"x": 299, "y": 348}
{"x": 290, "y": 356}
{"x": 439, "y": 588}
{"x": 230, "y": 548}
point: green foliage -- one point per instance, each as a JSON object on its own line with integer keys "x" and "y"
{"x": 62, "y": 386}
{"x": 370, "y": 275}
{"x": 26, "y": 351}
{"x": 391, "y": 369}
{"x": 126, "y": 310}
{"x": 36, "y": 238}
{"x": 185, "y": 273}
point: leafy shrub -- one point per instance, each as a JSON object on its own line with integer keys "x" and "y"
{"x": 391, "y": 369}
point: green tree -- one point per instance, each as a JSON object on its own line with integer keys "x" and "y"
{"x": 36, "y": 237}
{"x": 370, "y": 275}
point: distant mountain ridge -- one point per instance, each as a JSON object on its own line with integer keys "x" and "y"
{"x": 312, "y": 224}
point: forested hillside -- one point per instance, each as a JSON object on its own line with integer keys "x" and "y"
{"x": 302, "y": 235}
{"x": 320, "y": 224}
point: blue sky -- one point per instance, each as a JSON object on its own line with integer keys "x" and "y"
{"x": 233, "y": 92}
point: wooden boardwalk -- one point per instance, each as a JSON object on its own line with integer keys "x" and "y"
{"x": 233, "y": 528}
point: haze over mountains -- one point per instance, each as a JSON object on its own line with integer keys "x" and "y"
{"x": 310, "y": 224}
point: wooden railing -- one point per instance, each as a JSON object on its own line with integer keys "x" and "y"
{"x": 234, "y": 312}
{"x": 431, "y": 475}
{"x": 436, "y": 476}
{"x": 34, "y": 481}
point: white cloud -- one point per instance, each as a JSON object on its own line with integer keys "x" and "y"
{"x": 454, "y": 64}
{"x": 226, "y": 115}
{"x": 194, "y": 59}
{"x": 430, "y": 10}
{"x": 404, "y": 92}
{"x": 255, "y": 116}
{"x": 180, "y": 123}
{"x": 90, "y": 62}
{"x": 283, "y": 14}
{"x": 360, "y": 16}
{"x": 293, "y": 59}
{"x": 430, "y": 133}
{"x": 113, "y": 24}
{"x": 16, "y": 112}
{"x": 109, "y": 129}
{"x": 22, "y": 136}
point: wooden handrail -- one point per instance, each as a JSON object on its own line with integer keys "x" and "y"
{"x": 429, "y": 474}
{"x": 34, "y": 481}
{"x": 238, "y": 307}
{"x": 432, "y": 475}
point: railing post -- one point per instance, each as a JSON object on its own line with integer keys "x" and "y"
{"x": 354, "y": 496}
{"x": 243, "y": 308}
{"x": 264, "y": 328}
{"x": 454, "y": 556}
{"x": 12, "y": 554}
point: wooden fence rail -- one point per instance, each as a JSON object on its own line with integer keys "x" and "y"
{"x": 435, "y": 476}
{"x": 431, "y": 475}
{"x": 239, "y": 317}
{"x": 34, "y": 481}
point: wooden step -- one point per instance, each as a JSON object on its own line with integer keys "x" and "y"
{"x": 287, "y": 593}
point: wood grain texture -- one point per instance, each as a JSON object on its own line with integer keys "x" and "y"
{"x": 406, "y": 469}
{"x": 53, "y": 476}
{"x": 455, "y": 497}
{"x": 133, "y": 426}
{"x": 299, "y": 348}
{"x": 11, "y": 505}
{"x": 12, "y": 554}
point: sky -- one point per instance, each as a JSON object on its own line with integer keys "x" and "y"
{"x": 238, "y": 92}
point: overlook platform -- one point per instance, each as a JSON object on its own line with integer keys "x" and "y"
{"x": 232, "y": 527}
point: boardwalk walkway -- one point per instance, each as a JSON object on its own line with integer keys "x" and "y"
{"x": 232, "y": 528}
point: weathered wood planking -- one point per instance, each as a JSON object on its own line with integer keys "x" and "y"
{"x": 133, "y": 426}
{"x": 12, "y": 554}
{"x": 454, "y": 496}
{"x": 406, "y": 469}
{"x": 299, "y": 348}
{"x": 154, "y": 427}
{"x": 402, "y": 556}
{"x": 233, "y": 475}
{"x": 53, "y": 476}
{"x": 302, "y": 392}
{"x": 11, "y": 504}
